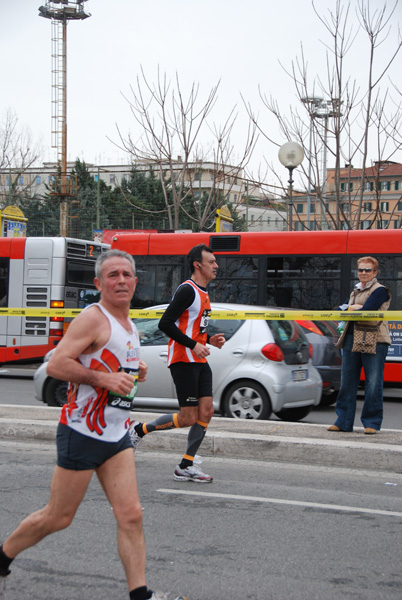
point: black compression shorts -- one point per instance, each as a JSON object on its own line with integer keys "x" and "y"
{"x": 192, "y": 381}
{"x": 79, "y": 452}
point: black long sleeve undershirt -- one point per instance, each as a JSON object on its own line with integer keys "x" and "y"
{"x": 183, "y": 299}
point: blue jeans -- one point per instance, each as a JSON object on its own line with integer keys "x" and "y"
{"x": 373, "y": 365}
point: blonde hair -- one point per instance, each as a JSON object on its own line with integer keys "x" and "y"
{"x": 369, "y": 259}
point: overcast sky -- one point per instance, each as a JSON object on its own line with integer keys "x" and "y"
{"x": 240, "y": 43}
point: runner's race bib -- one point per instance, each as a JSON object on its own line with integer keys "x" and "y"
{"x": 125, "y": 402}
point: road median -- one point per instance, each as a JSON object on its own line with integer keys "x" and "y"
{"x": 256, "y": 440}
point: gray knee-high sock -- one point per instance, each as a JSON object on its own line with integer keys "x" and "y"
{"x": 163, "y": 422}
{"x": 195, "y": 436}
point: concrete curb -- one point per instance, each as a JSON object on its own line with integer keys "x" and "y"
{"x": 257, "y": 440}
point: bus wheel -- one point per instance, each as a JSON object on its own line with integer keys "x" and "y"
{"x": 294, "y": 414}
{"x": 246, "y": 399}
{"x": 56, "y": 392}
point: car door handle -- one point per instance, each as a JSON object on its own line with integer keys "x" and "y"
{"x": 163, "y": 354}
{"x": 238, "y": 352}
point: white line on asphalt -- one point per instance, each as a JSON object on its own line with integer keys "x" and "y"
{"x": 334, "y": 507}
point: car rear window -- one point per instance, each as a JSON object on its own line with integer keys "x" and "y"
{"x": 291, "y": 340}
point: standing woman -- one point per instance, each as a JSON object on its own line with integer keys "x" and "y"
{"x": 370, "y": 295}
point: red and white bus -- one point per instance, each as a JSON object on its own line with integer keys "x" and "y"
{"x": 313, "y": 270}
{"x": 40, "y": 272}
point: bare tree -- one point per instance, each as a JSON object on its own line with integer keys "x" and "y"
{"x": 172, "y": 128}
{"x": 18, "y": 152}
{"x": 336, "y": 116}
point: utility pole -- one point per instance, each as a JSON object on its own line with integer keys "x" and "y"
{"x": 60, "y": 12}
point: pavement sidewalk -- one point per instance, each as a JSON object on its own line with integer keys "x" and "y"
{"x": 256, "y": 440}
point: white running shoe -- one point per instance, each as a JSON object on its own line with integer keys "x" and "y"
{"x": 134, "y": 437}
{"x": 192, "y": 473}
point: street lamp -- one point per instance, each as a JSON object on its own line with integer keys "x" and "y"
{"x": 291, "y": 155}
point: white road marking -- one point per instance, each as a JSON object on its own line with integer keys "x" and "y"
{"x": 334, "y": 507}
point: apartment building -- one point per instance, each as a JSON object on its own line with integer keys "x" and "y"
{"x": 381, "y": 206}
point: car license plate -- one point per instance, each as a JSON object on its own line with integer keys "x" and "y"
{"x": 300, "y": 375}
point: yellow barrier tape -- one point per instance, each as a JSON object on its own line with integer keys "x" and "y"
{"x": 278, "y": 315}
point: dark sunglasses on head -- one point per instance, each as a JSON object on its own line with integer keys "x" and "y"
{"x": 364, "y": 270}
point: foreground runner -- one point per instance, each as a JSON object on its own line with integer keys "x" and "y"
{"x": 99, "y": 356}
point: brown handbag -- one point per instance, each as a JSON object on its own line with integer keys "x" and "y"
{"x": 365, "y": 338}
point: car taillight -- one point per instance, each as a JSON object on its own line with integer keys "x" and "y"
{"x": 273, "y": 352}
{"x": 311, "y": 351}
{"x": 310, "y": 326}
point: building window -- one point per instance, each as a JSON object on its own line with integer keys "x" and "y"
{"x": 399, "y": 205}
{"x": 20, "y": 180}
{"x": 368, "y": 186}
{"x": 112, "y": 179}
{"x": 384, "y": 206}
{"x": 51, "y": 179}
{"x": 347, "y": 187}
{"x": 345, "y": 207}
{"x": 198, "y": 176}
{"x": 235, "y": 198}
{"x": 385, "y": 185}
{"x": 96, "y": 177}
{"x": 367, "y": 206}
{"x": 398, "y": 185}
{"x": 38, "y": 180}
{"x": 8, "y": 181}
{"x": 312, "y": 207}
{"x": 299, "y": 208}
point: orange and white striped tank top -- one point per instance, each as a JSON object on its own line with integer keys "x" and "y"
{"x": 193, "y": 322}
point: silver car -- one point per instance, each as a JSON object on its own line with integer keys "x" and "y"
{"x": 264, "y": 367}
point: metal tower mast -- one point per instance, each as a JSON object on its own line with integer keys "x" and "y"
{"x": 60, "y": 12}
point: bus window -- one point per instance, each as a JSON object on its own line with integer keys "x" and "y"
{"x": 390, "y": 274}
{"x": 80, "y": 273}
{"x": 236, "y": 281}
{"x": 158, "y": 279}
{"x": 304, "y": 282}
{"x": 3, "y": 281}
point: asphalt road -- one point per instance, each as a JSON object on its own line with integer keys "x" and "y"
{"x": 261, "y": 531}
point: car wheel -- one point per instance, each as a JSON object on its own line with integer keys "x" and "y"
{"x": 56, "y": 392}
{"x": 328, "y": 399}
{"x": 294, "y": 414}
{"x": 246, "y": 399}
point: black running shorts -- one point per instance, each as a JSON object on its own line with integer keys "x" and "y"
{"x": 192, "y": 381}
{"x": 79, "y": 452}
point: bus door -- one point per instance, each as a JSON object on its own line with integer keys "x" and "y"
{"x": 4, "y": 271}
{"x": 36, "y": 291}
